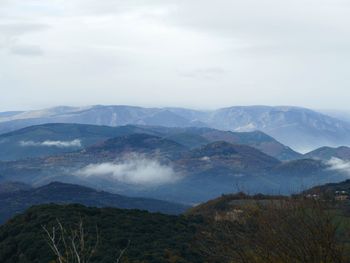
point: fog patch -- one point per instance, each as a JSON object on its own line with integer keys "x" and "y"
{"x": 205, "y": 159}
{"x": 48, "y": 143}
{"x": 339, "y": 165}
{"x": 135, "y": 171}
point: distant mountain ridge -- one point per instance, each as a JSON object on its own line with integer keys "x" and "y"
{"x": 27, "y": 142}
{"x": 12, "y": 187}
{"x": 299, "y": 128}
{"x": 327, "y": 153}
{"x": 138, "y": 143}
{"x": 242, "y": 158}
{"x": 18, "y": 200}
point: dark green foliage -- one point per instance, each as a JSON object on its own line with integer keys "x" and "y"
{"x": 330, "y": 189}
{"x": 229, "y": 202}
{"x": 153, "y": 237}
{"x": 288, "y": 231}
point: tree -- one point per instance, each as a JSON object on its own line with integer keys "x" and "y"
{"x": 288, "y": 231}
{"x": 75, "y": 245}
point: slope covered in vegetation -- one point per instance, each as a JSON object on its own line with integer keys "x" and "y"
{"x": 12, "y": 203}
{"x": 144, "y": 236}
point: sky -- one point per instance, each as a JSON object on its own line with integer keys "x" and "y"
{"x": 200, "y": 54}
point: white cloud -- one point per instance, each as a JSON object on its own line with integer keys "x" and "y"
{"x": 205, "y": 159}
{"x": 11, "y": 34}
{"x": 48, "y": 143}
{"x": 339, "y": 165}
{"x": 136, "y": 170}
{"x": 197, "y": 53}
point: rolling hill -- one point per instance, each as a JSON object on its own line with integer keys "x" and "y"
{"x": 15, "y": 202}
{"x": 330, "y": 189}
{"x": 152, "y": 237}
{"x": 327, "y": 153}
{"x": 56, "y": 138}
{"x": 239, "y": 158}
{"x": 137, "y": 143}
{"x": 256, "y": 139}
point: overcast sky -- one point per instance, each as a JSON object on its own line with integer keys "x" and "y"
{"x": 189, "y": 53}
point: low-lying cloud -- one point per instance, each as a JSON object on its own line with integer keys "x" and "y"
{"x": 48, "y": 143}
{"x": 136, "y": 171}
{"x": 339, "y": 165}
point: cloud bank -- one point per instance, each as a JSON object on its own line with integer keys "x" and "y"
{"x": 135, "y": 171}
{"x": 339, "y": 165}
{"x": 59, "y": 144}
{"x": 198, "y": 53}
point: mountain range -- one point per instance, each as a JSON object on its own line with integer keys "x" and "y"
{"x": 147, "y": 165}
{"x": 56, "y": 138}
{"x": 299, "y": 128}
{"x": 173, "y": 154}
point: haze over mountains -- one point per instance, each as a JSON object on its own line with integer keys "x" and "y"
{"x": 187, "y": 165}
{"x": 299, "y": 128}
{"x": 173, "y": 154}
